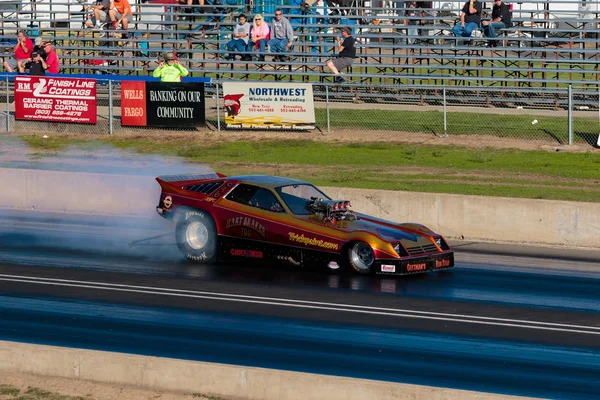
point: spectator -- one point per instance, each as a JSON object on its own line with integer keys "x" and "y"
{"x": 241, "y": 37}
{"x": 22, "y": 51}
{"x": 259, "y": 35}
{"x": 98, "y": 15}
{"x": 190, "y": 9}
{"x": 282, "y": 35}
{"x": 172, "y": 71}
{"x": 347, "y": 54}
{"x": 501, "y": 19}
{"x": 34, "y": 66}
{"x": 470, "y": 19}
{"x": 38, "y": 47}
{"x": 410, "y": 22}
{"x": 51, "y": 64}
{"x": 120, "y": 13}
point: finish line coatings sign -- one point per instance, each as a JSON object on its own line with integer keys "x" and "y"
{"x": 162, "y": 104}
{"x": 269, "y": 105}
{"x": 40, "y": 98}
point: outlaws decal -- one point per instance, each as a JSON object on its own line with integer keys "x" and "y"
{"x": 294, "y": 237}
{"x": 416, "y": 267}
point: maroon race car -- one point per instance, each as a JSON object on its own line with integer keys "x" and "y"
{"x": 274, "y": 219}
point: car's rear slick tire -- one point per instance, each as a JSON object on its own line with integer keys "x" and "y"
{"x": 361, "y": 258}
{"x": 196, "y": 237}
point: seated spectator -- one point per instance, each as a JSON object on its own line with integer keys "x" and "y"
{"x": 411, "y": 22}
{"x": 346, "y": 56}
{"x": 190, "y": 9}
{"x": 34, "y": 66}
{"x": 50, "y": 64}
{"x": 22, "y": 51}
{"x": 120, "y": 13}
{"x": 282, "y": 35}
{"x": 501, "y": 19}
{"x": 470, "y": 19}
{"x": 99, "y": 14}
{"x": 259, "y": 36}
{"x": 38, "y": 47}
{"x": 241, "y": 37}
{"x": 172, "y": 71}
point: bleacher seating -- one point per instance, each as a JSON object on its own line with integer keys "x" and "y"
{"x": 541, "y": 49}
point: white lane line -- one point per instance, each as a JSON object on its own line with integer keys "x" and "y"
{"x": 306, "y": 304}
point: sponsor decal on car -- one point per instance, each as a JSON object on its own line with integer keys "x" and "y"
{"x": 245, "y": 222}
{"x": 244, "y": 253}
{"x": 333, "y": 265}
{"x": 294, "y": 237}
{"x": 416, "y": 267}
{"x": 388, "y": 268}
{"x": 443, "y": 263}
{"x": 168, "y": 202}
{"x": 255, "y": 254}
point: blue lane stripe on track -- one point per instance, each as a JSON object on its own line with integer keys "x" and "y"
{"x": 397, "y": 356}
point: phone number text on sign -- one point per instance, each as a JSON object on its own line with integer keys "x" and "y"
{"x": 55, "y": 99}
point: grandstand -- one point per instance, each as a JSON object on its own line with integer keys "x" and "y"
{"x": 552, "y": 44}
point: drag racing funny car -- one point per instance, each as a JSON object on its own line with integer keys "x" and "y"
{"x": 271, "y": 219}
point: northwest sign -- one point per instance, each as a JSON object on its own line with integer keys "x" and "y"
{"x": 162, "y": 104}
{"x": 267, "y": 105}
{"x": 55, "y": 99}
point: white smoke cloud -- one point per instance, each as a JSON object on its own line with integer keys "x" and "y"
{"x": 94, "y": 199}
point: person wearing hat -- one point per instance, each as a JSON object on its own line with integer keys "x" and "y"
{"x": 346, "y": 56}
{"x": 38, "y": 47}
{"x": 172, "y": 71}
{"x": 50, "y": 64}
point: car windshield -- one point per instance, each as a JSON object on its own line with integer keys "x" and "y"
{"x": 296, "y": 196}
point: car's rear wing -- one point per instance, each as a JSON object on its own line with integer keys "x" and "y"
{"x": 190, "y": 177}
{"x": 171, "y": 182}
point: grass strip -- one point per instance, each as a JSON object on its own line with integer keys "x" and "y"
{"x": 448, "y": 169}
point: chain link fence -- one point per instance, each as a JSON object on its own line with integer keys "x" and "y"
{"x": 552, "y": 116}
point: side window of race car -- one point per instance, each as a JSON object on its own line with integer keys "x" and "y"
{"x": 256, "y": 197}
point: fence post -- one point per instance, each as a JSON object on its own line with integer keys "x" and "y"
{"x": 445, "y": 114}
{"x": 7, "y": 106}
{"x": 570, "y": 115}
{"x": 110, "y": 107}
{"x": 218, "y": 110}
{"x": 327, "y": 108}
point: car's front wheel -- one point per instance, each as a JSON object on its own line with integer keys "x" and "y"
{"x": 197, "y": 237}
{"x": 361, "y": 257}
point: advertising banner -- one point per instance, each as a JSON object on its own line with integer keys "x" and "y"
{"x": 267, "y": 105}
{"x": 51, "y": 99}
{"x": 162, "y": 104}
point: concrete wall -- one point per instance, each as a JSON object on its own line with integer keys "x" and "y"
{"x": 232, "y": 382}
{"x": 483, "y": 218}
{"x": 470, "y": 217}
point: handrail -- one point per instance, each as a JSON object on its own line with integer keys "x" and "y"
{"x": 105, "y": 77}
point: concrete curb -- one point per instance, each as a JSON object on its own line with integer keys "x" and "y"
{"x": 183, "y": 376}
{"x": 476, "y": 218}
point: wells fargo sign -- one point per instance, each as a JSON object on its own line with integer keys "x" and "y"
{"x": 162, "y": 104}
